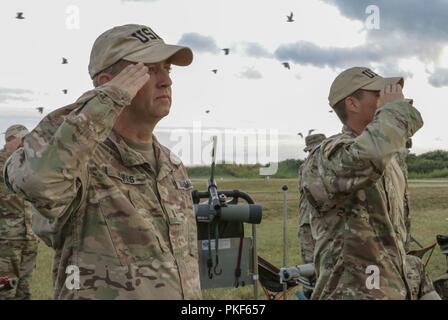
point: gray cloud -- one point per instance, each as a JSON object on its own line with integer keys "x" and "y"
{"x": 199, "y": 43}
{"x": 439, "y": 78}
{"x": 387, "y": 52}
{"x": 412, "y": 27}
{"x": 307, "y": 53}
{"x": 392, "y": 70}
{"x": 412, "y": 19}
{"x": 7, "y": 94}
{"x": 255, "y": 50}
{"x": 202, "y": 43}
{"x": 408, "y": 28}
{"x": 251, "y": 74}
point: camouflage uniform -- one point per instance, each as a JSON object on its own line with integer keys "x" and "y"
{"x": 402, "y": 156}
{"x": 419, "y": 282}
{"x": 305, "y": 237}
{"x": 357, "y": 187}
{"x": 98, "y": 208}
{"x": 18, "y": 244}
{"x": 306, "y": 240}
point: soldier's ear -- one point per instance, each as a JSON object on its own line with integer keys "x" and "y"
{"x": 352, "y": 105}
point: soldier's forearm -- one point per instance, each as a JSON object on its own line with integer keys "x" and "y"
{"x": 79, "y": 135}
{"x": 347, "y": 166}
{"x": 54, "y": 167}
{"x": 387, "y": 133}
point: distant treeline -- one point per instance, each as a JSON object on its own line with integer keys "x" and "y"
{"x": 286, "y": 169}
{"x": 428, "y": 165}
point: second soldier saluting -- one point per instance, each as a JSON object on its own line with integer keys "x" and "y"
{"x": 355, "y": 184}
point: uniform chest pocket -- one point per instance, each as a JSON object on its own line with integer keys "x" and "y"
{"x": 177, "y": 205}
{"x": 134, "y": 237}
{"x": 137, "y": 188}
{"x": 184, "y": 187}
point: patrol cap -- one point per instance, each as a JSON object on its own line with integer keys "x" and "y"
{"x": 313, "y": 140}
{"x": 135, "y": 43}
{"x": 16, "y": 130}
{"x": 356, "y": 78}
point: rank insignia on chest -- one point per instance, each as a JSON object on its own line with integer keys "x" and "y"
{"x": 184, "y": 184}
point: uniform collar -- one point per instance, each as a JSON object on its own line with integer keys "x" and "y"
{"x": 349, "y": 131}
{"x": 128, "y": 156}
{"x": 167, "y": 161}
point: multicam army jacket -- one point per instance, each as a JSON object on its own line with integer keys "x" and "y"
{"x": 15, "y": 213}
{"x": 98, "y": 208}
{"x": 357, "y": 187}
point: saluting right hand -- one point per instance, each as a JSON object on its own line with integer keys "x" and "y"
{"x": 392, "y": 92}
{"x": 131, "y": 79}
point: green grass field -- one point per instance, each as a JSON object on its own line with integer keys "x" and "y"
{"x": 429, "y": 203}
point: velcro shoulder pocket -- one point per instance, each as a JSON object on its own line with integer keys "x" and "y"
{"x": 184, "y": 184}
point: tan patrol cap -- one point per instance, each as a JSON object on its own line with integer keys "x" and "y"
{"x": 16, "y": 130}
{"x": 356, "y": 78}
{"x": 135, "y": 43}
{"x": 313, "y": 140}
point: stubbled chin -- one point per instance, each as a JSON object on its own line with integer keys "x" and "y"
{"x": 164, "y": 110}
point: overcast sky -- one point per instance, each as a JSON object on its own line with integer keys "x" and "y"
{"x": 251, "y": 89}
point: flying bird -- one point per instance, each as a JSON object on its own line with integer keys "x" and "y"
{"x": 300, "y": 134}
{"x": 226, "y": 51}
{"x": 20, "y": 16}
{"x": 40, "y": 109}
{"x": 64, "y": 61}
{"x": 207, "y": 111}
{"x": 290, "y": 19}
{"x": 215, "y": 71}
{"x": 65, "y": 91}
{"x": 286, "y": 65}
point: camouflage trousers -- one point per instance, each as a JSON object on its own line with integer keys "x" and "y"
{"x": 306, "y": 243}
{"x": 17, "y": 261}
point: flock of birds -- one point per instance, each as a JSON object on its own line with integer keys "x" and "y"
{"x": 64, "y": 91}
{"x": 19, "y": 15}
{"x": 226, "y": 52}
{"x": 285, "y": 64}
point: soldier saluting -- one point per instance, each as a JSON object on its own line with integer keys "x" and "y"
{"x": 18, "y": 244}
{"x": 357, "y": 187}
{"x": 113, "y": 202}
